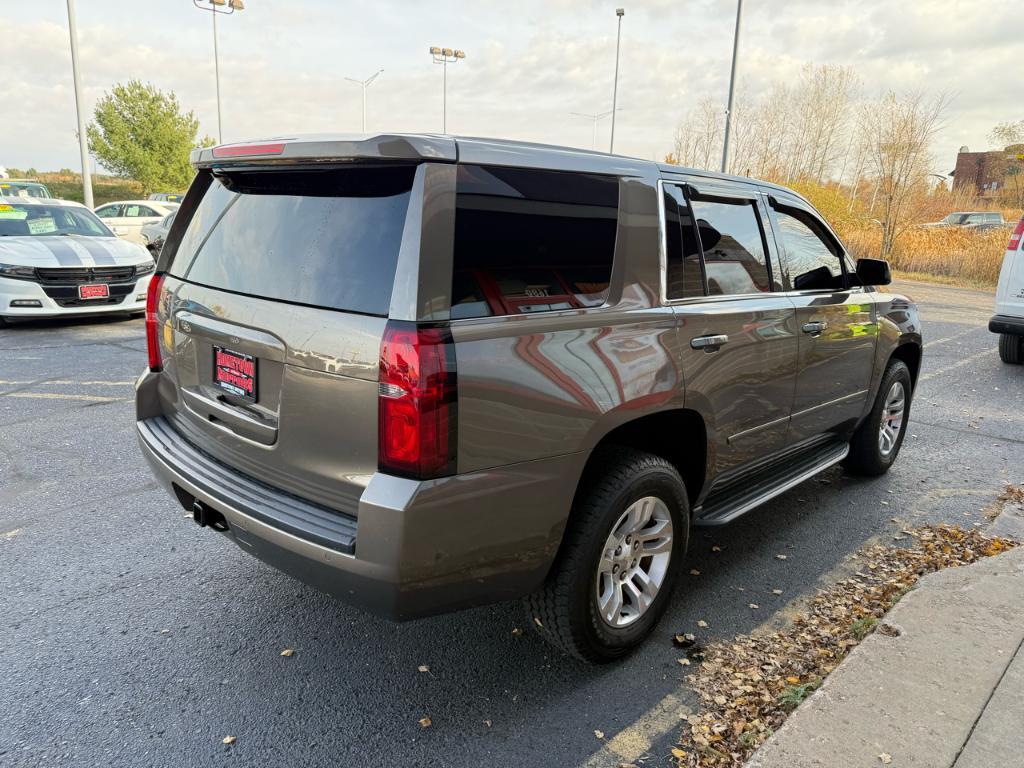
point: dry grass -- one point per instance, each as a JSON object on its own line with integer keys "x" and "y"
{"x": 969, "y": 257}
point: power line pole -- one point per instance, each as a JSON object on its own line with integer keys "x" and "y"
{"x": 732, "y": 86}
{"x": 216, "y": 7}
{"x": 620, "y": 12}
{"x": 595, "y": 119}
{"x": 83, "y": 142}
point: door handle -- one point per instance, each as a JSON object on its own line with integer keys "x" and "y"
{"x": 814, "y": 328}
{"x": 709, "y": 343}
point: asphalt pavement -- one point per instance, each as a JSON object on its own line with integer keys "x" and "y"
{"x": 131, "y": 637}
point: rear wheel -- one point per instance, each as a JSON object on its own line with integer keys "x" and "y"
{"x": 3, "y": 321}
{"x": 1011, "y": 349}
{"x": 877, "y": 441}
{"x": 619, "y": 559}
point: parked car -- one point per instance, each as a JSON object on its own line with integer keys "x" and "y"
{"x": 428, "y": 373}
{"x": 153, "y": 235}
{"x": 127, "y": 217}
{"x": 23, "y": 188}
{"x": 1008, "y": 320}
{"x": 167, "y": 197}
{"x": 973, "y": 219}
{"x": 57, "y": 258}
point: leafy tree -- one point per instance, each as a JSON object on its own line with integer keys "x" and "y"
{"x": 141, "y": 133}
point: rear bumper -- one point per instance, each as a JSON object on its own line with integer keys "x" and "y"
{"x": 416, "y": 548}
{"x": 1009, "y": 324}
{"x": 26, "y": 290}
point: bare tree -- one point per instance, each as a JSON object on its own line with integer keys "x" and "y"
{"x": 897, "y": 132}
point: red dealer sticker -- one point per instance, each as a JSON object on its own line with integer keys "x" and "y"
{"x": 94, "y": 291}
{"x": 235, "y": 372}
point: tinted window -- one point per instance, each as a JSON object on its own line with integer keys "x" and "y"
{"x": 684, "y": 278}
{"x": 327, "y": 238}
{"x": 734, "y": 255}
{"x": 531, "y": 241}
{"x": 813, "y": 260}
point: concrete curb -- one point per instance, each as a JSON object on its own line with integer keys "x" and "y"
{"x": 933, "y": 695}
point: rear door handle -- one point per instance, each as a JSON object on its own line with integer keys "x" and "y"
{"x": 814, "y": 328}
{"x": 709, "y": 343}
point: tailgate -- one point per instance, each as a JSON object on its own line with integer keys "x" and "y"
{"x": 279, "y": 292}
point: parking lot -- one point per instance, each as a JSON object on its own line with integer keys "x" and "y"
{"x": 132, "y": 637}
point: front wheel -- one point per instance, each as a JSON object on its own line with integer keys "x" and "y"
{"x": 1011, "y": 349}
{"x": 878, "y": 439}
{"x": 619, "y": 559}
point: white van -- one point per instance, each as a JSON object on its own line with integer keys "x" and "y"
{"x": 1008, "y": 320}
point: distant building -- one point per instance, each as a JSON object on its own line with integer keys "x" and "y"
{"x": 986, "y": 172}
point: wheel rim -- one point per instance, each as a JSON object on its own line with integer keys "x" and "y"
{"x": 892, "y": 418}
{"x": 634, "y": 562}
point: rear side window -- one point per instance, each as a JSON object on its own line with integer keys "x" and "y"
{"x": 531, "y": 241}
{"x": 325, "y": 238}
{"x": 735, "y": 261}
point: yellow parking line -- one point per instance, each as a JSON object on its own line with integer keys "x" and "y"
{"x": 56, "y": 396}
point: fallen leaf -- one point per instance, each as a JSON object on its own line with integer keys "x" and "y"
{"x": 423, "y": 668}
{"x": 716, "y": 548}
{"x": 537, "y": 622}
{"x": 228, "y": 740}
{"x": 792, "y": 680}
{"x": 684, "y": 641}
{"x": 776, "y": 591}
{"x": 627, "y": 765}
{"x": 677, "y": 752}
{"x": 702, "y": 623}
{"x": 755, "y": 606}
{"x": 684, "y": 662}
{"x": 516, "y": 631}
{"x": 165, "y": 631}
{"x": 599, "y": 734}
{"x": 425, "y": 722}
{"x": 288, "y": 652}
{"x": 780, "y": 557}
{"x": 487, "y": 723}
{"x": 885, "y": 758}
{"x": 694, "y": 572}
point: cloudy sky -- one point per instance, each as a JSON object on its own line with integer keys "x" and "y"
{"x": 528, "y": 64}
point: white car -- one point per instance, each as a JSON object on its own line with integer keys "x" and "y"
{"x": 127, "y": 217}
{"x": 1008, "y": 320}
{"x": 57, "y": 258}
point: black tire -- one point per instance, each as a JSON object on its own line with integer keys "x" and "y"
{"x": 866, "y": 456}
{"x": 3, "y": 321}
{"x": 1011, "y": 349}
{"x": 565, "y": 609}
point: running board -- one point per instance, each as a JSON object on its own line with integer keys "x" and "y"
{"x": 744, "y": 494}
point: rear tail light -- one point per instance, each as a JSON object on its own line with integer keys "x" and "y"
{"x": 156, "y": 287}
{"x": 417, "y": 401}
{"x": 1015, "y": 238}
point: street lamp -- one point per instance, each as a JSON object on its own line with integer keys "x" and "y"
{"x": 217, "y": 7}
{"x": 444, "y": 57}
{"x": 362, "y": 84}
{"x": 595, "y": 118}
{"x": 732, "y": 86}
{"x": 83, "y": 145}
{"x": 614, "y": 87}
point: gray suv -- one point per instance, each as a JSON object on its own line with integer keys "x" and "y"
{"x": 424, "y": 373}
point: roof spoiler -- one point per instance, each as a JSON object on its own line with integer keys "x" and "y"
{"x": 327, "y": 149}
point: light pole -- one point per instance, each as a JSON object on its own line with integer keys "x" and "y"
{"x": 620, "y": 12}
{"x": 732, "y": 86}
{"x": 444, "y": 57}
{"x": 83, "y": 143}
{"x": 217, "y": 7}
{"x": 595, "y": 119}
{"x": 362, "y": 84}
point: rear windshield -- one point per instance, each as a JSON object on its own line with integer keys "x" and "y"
{"x": 325, "y": 238}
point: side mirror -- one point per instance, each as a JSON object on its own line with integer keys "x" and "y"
{"x": 873, "y": 272}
